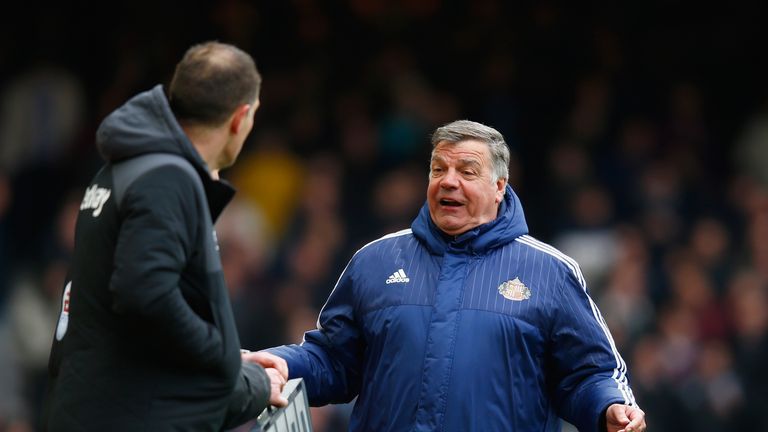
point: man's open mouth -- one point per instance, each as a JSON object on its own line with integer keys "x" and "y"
{"x": 449, "y": 203}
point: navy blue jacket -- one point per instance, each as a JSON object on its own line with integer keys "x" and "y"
{"x": 491, "y": 330}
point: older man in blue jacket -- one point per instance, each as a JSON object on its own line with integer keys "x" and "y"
{"x": 465, "y": 322}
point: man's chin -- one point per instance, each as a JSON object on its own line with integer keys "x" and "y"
{"x": 227, "y": 163}
{"x": 450, "y": 228}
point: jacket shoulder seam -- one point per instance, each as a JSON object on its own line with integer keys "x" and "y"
{"x": 550, "y": 250}
{"x": 126, "y": 173}
{"x": 400, "y": 233}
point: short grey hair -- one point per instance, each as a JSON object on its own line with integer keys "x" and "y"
{"x": 463, "y": 130}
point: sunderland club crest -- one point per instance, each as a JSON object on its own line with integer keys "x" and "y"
{"x": 515, "y": 290}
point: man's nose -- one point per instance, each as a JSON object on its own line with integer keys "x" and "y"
{"x": 450, "y": 180}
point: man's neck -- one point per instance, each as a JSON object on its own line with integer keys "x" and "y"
{"x": 207, "y": 143}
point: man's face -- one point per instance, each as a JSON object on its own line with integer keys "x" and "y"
{"x": 462, "y": 193}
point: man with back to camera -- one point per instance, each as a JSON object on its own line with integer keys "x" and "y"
{"x": 146, "y": 339}
{"x": 464, "y": 322}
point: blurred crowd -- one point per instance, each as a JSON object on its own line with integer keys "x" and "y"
{"x": 639, "y": 136}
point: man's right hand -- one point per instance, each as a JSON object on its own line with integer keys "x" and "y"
{"x": 277, "y": 371}
{"x": 277, "y": 382}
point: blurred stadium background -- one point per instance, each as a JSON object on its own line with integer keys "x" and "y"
{"x": 639, "y": 134}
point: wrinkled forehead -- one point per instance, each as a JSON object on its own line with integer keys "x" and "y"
{"x": 466, "y": 151}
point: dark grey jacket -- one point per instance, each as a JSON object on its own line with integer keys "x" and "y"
{"x": 146, "y": 339}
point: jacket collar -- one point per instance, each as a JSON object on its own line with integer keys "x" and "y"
{"x": 508, "y": 225}
{"x": 219, "y": 193}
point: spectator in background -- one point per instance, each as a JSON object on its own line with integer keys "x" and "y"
{"x": 711, "y": 245}
{"x": 14, "y": 410}
{"x": 692, "y": 289}
{"x": 714, "y": 394}
{"x": 751, "y": 147}
{"x": 314, "y": 242}
{"x": 465, "y": 322}
{"x": 245, "y": 246}
{"x": 627, "y": 308}
{"x": 396, "y": 197}
{"x": 5, "y": 202}
{"x": 591, "y": 238}
{"x": 32, "y": 309}
{"x": 41, "y": 116}
{"x": 747, "y": 302}
{"x": 654, "y": 387}
{"x": 32, "y": 313}
{"x": 145, "y": 295}
{"x": 569, "y": 169}
{"x": 757, "y": 230}
{"x": 41, "y": 113}
{"x": 270, "y": 163}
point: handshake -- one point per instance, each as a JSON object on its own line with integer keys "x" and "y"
{"x": 276, "y": 369}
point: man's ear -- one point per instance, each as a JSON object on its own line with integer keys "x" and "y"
{"x": 501, "y": 188}
{"x": 240, "y": 114}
